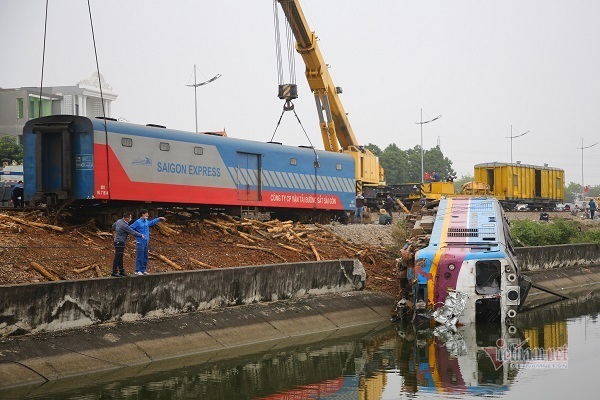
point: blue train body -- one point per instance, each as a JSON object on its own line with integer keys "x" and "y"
{"x": 73, "y": 158}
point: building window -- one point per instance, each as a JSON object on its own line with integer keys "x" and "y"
{"x": 20, "y": 108}
{"x": 164, "y": 146}
{"x": 293, "y": 161}
{"x": 198, "y": 151}
{"x": 98, "y": 109}
{"x": 31, "y": 109}
{"x": 338, "y": 167}
{"x": 126, "y": 142}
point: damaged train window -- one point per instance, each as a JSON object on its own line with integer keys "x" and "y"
{"x": 487, "y": 277}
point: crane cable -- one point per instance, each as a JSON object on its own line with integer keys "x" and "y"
{"x": 289, "y": 43}
{"x": 95, "y": 54}
{"x": 99, "y": 81}
{"x": 316, "y": 162}
{"x": 277, "y": 44}
{"x": 101, "y": 100}
{"x": 288, "y": 106}
{"x": 43, "y": 61}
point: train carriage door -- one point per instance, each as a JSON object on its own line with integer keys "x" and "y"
{"x": 52, "y": 159}
{"x": 490, "y": 179}
{"x": 538, "y": 183}
{"x": 248, "y": 176}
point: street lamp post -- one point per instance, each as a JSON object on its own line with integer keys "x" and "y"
{"x": 511, "y": 137}
{"x": 421, "y": 123}
{"x": 583, "y": 148}
{"x": 195, "y": 86}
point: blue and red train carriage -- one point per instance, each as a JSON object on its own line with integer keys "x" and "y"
{"x": 100, "y": 161}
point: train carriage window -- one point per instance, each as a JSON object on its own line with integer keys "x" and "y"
{"x": 164, "y": 146}
{"x": 198, "y": 151}
{"x": 515, "y": 180}
{"x": 293, "y": 161}
{"x": 126, "y": 142}
{"x": 338, "y": 167}
{"x": 487, "y": 277}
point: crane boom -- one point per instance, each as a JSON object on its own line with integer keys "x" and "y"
{"x": 336, "y": 131}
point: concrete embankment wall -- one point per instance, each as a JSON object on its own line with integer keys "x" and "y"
{"x": 145, "y": 347}
{"x": 570, "y": 271}
{"x": 560, "y": 256}
{"x": 54, "y": 306}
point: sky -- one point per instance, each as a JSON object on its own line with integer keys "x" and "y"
{"x": 491, "y": 69}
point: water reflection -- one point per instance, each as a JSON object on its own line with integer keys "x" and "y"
{"x": 382, "y": 362}
{"x": 482, "y": 359}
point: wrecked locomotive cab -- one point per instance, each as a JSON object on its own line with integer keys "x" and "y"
{"x": 467, "y": 271}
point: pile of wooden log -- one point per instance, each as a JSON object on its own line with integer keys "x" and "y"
{"x": 24, "y": 221}
{"x": 419, "y": 224}
{"x": 287, "y": 234}
{"x": 272, "y": 235}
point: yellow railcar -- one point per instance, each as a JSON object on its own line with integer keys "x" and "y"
{"x": 538, "y": 187}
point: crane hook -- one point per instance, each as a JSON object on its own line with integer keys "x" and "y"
{"x": 288, "y": 106}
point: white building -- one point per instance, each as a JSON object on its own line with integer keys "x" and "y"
{"x": 17, "y": 106}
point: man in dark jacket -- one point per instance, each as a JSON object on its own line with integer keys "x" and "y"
{"x": 388, "y": 205}
{"x": 16, "y": 196}
{"x": 123, "y": 230}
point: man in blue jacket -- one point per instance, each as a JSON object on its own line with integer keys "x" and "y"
{"x": 123, "y": 230}
{"x": 142, "y": 225}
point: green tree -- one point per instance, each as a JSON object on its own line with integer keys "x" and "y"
{"x": 10, "y": 149}
{"x": 374, "y": 149}
{"x": 413, "y": 157}
{"x": 394, "y": 163}
{"x": 572, "y": 191}
{"x": 434, "y": 160}
{"x": 593, "y": 191}
{"x": 404, "y": 166}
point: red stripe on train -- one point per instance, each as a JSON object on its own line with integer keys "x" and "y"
{"x": 123, "y": 188}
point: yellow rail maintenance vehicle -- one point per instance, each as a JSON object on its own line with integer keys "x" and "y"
{"x": 540, "y": 187}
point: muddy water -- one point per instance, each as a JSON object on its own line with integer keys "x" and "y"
{"x": 553, "y": 353}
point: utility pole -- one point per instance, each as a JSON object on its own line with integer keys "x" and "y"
{"x": 421, "y": 123}
{"x": 195, "y": 86}
{"x": 511, "y": 137}
{"x": 583, "y": 148}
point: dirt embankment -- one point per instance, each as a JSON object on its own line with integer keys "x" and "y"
{"x": 68, "y": 252}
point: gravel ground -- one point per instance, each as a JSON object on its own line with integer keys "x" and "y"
{"x": 368, "y": 233}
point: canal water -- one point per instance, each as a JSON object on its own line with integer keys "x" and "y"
{"x": 553, "y": 353}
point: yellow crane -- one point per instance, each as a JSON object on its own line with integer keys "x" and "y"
{"x": 336, "y": 131}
